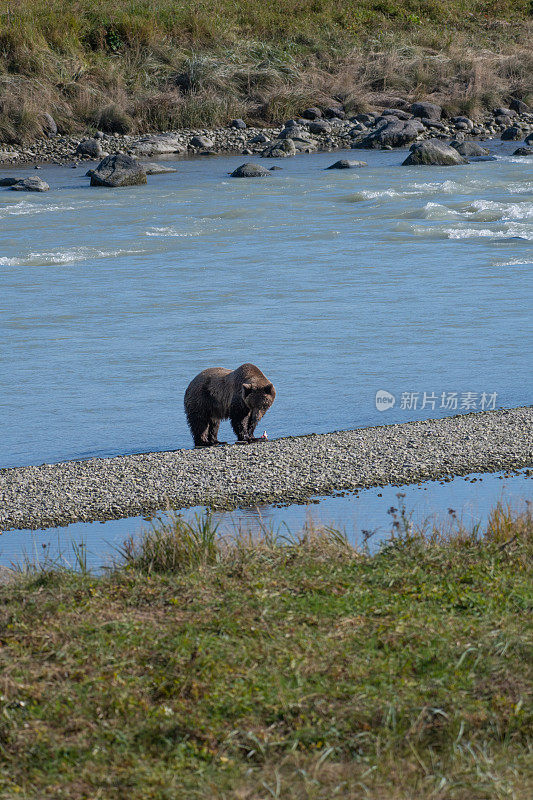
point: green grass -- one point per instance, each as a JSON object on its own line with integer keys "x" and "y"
{"x": 112, "y": 25}
{"x": 264, "y": 668}
{"x": 136, "y": 65}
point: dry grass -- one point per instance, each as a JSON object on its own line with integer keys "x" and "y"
{"x": 157, "y": 65}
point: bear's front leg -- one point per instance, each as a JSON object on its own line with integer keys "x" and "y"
{"x": 240, "y": 424}
{"x": 251, "y": 424}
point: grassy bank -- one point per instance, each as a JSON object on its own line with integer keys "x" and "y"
{"x": 136, "y": 65}
{"x": 259, "y": 669}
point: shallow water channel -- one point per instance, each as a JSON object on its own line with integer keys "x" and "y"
{"x": 367, "y": 519}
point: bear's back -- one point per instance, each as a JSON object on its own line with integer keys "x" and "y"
{"x": 249, "y": 373}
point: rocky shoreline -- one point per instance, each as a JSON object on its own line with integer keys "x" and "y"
{"x": 283, "y": 471}
{"x": 316, "y": 130}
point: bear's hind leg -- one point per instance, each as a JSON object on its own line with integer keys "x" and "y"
{"x": 200, "y": 432}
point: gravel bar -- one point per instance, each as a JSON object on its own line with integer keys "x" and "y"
{"x": 282, "y": 471}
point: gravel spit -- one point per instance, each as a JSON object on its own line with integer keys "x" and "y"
{"x": 282, "y": 471}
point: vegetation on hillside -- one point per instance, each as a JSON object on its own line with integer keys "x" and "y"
{"x": 134, "y": 65}
{"x": 262, "y": 668}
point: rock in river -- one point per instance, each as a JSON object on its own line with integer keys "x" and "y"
{"x": 250, "y": 171}
{"x": 118, "y": 170}
{"x": 513, "y": 133}
{"x": 344, "y": 163}
{"x": 30, "y": 185}
{"x": 157, "y": 169}
{"x": 434, "y": 152}
{"x": 469, "y": 149}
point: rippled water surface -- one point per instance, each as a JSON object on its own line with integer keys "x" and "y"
{"x": 337, "y": 284}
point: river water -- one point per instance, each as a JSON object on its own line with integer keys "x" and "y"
{"x": 337, "y": 284}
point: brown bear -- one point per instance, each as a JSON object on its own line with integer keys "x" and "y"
{"x": 242, "y": 395}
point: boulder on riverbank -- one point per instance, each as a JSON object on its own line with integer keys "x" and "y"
{"x": 426, "y": 110}
{"x": 433, "y": 152}
{"x": 119, "y": 170}
{"x": 523, "y": 151}
{"x": 30, "y": 185}
{"x": 462, "y": 123}
{"x": 89, "y": 148}
{"x": 393, "y": 133}
{"x": 159, "y": 144}
{"x": 250, "y": 171}
{"x": 201, "y": 143}
{"x": 49, "y": 125}
{"x": 319, "y": 126}
{"x": 280, "y": 148}
{"x": 304, "y": 145}
{"x": 312, "y": 113}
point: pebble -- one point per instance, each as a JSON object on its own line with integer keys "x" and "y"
{"x": 282, "y": 471}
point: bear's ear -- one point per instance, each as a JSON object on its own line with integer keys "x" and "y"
{"x": 268, "y": 389}
{"x": 246, "y": 388}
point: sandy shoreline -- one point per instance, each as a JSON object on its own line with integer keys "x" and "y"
{"x": 290, "y": 470}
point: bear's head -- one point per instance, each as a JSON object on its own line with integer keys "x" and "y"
{"x": 258, "y": 398}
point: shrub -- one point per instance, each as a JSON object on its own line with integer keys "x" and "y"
{"x": 113, "y": 119}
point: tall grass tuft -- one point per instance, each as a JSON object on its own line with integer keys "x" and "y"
{"x": 177, "y": 545}
{"x": 505, "y": 526}
{"x": 173, "y": 546}
{"x": 67, "y": 559}
{"x": 268, "y": 546}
